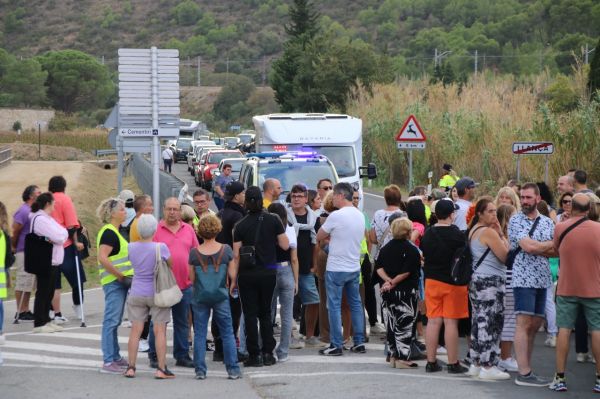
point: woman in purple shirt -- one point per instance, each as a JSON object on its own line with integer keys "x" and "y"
{"x": 140, "y": 303}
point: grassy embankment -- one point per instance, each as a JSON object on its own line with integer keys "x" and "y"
{"x": 473, "y": 129}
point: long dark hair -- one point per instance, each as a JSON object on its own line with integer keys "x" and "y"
{"x": 279, "y": 210}
{"x": 415, "y": 211}
{"x": 480, "y": 206}
{"x": 41, "y": 201}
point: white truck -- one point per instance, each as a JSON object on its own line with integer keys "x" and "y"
{"x": 338, "y": 137}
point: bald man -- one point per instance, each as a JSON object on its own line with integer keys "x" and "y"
{"x": 565, "y": 184}
{"x": 180, "y": 238}
{"x": 271, "y": 191}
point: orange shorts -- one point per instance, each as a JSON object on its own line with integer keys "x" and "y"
{"x": 446, "y": 300}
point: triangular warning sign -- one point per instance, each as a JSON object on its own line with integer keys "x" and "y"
{"x": 411, "y": 131}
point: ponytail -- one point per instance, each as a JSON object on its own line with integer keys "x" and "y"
{"x": 42, "y": 201}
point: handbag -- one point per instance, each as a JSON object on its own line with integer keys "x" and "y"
{"x": 166, "y": 290}
{"x": 210, "y": 281}
{"x": 38, "y": 252}
{"x": 9, "y": 258}
{"x": 512, "y": 254}
{"x": 248, "y": 255}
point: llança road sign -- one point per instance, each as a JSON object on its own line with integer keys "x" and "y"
{"x": 533, "y": 148}
{"x": 411, "y": 131}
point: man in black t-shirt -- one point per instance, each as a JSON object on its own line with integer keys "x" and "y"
{"x": 259, "y": 233}
{"x": 306, "y": 224}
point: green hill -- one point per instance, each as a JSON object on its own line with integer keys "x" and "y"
{"x": 243, "y": 36}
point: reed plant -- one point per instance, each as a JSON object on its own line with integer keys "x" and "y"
{"x": 85, "y": 140}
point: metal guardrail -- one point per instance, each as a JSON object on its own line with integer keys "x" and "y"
{"x": 169, "y": 185}
{"x": 101, "y": 153}
{"x": 5, "y": 156}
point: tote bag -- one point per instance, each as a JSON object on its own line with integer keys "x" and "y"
{"x": 38, "y": 253}
{"x": 166, "y": 290}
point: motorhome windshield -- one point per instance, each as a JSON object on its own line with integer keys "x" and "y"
{"x": 341, "y": 157}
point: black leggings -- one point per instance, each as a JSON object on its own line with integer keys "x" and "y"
{"x": 43, "y": 297}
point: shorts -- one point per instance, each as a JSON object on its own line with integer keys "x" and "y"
{"x": 139, "y": 307}
{"x": 567, "y": 308}
{"x": 25, "y": 282}
{"x": 446, "y": 300}
{"x": 307, "y": 289}
{"x": 530, "y": 301}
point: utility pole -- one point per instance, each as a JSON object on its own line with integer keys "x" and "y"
{"x": 587, "y": 53}
{"x": 475, "y": 62}
{"x": 264, "y": 71}
{"x": 435, "y": 58}
{"x": 227, "y": 70}
{"x": 198, "y": 74}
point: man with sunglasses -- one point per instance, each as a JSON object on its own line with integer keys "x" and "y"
{"x": 323, "y": 187}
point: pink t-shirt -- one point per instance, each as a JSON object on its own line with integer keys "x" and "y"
{"x": 179, "y": 244}
{"x": 64, "y": 213}
{"x": 421, "y": 229}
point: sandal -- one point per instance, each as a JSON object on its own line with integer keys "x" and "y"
{"x": 403, "y": 364}
{"x": 130, "y": 372}
{"x": 163, "y": 374}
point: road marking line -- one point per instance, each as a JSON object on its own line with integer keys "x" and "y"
{"x": 399, "y": 373}
{"x": 30, "y": 332}
{"x": 62, "y": 293}
{"x": 374, "y": 195}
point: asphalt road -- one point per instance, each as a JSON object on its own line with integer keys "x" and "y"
{"x": 66, "y": 365}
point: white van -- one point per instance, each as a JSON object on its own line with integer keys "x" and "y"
{"x": 338, "y": 137}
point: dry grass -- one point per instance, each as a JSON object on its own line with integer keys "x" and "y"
{"x": 473, "y": 129}
{"x": 85, "y": 140}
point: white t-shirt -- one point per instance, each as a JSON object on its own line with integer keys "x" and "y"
{"x": 167, "y": 154}
{"x": 460, "y": 220}
{"x": 346, "y": 227}
{"x": 290, "y": 232}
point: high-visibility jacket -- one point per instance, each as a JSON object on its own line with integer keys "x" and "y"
{"x": 448, "y": 181}
{"x": 120, "y": 261}
{"x": 3, "y": 277}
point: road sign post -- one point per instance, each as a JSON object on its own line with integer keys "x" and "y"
{"x": 148, "y": 105}
{"x": 410, "y": 137}
{"x": 533, "y": 148}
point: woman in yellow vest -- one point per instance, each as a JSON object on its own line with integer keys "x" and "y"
{"x": 449, "y": 178}
{"x": 4, "y": 239}
{"x": 115, "y": 276}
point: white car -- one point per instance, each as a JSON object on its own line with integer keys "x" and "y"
{"x": 193, "y": 145}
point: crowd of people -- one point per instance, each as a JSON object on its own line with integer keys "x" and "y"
{"x": 331, "y": 273}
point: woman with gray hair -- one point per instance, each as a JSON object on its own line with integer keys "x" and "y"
{"x": 115, "y": 276}
{"x": 140, "y": 303}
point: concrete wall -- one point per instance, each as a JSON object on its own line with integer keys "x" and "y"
{"x": 29, "y": 118}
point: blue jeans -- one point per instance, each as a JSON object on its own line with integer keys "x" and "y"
{"x": 115, "y": 295}
{"x": 336, "y": 283}
{"x": 179, "y": 312}
{"x": 219, "y": 202}
{"x": 284, "y": 290}
{"x": 222, "y": 315}
{"x": 1, "y": 315}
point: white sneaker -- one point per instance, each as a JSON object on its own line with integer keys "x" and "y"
{"x": 60, "y": 319}
{"x": 51, "y": 314}
{"x": 378, "y": 328}
{"x": 2, "y": 339}
{"x": 509, "y": 364}
{"x": 550, "y": 341}
{"x": 493, "y": 373}
{"x": 78, "y": 312}
{"x": 585, "y": 357}
{"x": 314, "y": 342}
{"x": 441, "y": 351}
{"x": 46, "y": 328}
{"x": 143, "y": 346}
{"x": 126, "y": 323}
{"x": 296, "y": 344}
{"x": 55, "y": 326}
{"x": 473, "y": 370}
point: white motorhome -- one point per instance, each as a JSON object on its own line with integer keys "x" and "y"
{"x": 338, "y": 137}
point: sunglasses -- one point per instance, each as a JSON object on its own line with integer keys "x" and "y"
{"x": 566, "y": 201}
{"x": 326, "y": 188}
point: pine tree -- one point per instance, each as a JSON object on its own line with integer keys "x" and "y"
{"x": 304, "y": 20}
{"x": 594, "y": 77}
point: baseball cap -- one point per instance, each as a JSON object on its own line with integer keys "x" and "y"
{"x": 465, "y": 182}
{"x": 232, "y": 189}
{"x": 126, "y": 196}
{"x": 444, "y": 208}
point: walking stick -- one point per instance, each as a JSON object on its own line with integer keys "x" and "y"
{"x": 80, "y": 285}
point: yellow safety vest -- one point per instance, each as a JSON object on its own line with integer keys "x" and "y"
{"x": 447, "y": 181}
{"x": 364, "y": 251}
{"x": 119, "y": 261}
{"x": 3, "y": 279}
{"x": 196, "y": 221}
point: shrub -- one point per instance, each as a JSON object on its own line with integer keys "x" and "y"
{"x": 62, "y": 122}
{"x": 17, "y": 126}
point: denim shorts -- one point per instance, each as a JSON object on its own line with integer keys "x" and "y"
{"x": 530, "y": 301}
{"x": 307, "y": 288}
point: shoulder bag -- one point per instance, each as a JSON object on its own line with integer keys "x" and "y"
{"x": 571, "y": 227}
{"x": 166, "y": 290}
{"x": 248, "y": 255}
{"x": 512, "y": 254}
{"x": 211, "y": 278}
{"x": 38, "y": 252}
